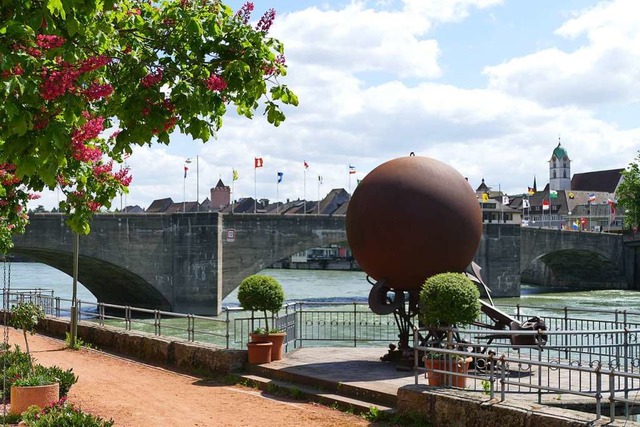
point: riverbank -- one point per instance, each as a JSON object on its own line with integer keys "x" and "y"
{"x": 321, "y": 264}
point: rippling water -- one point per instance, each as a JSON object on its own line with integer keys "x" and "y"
{"x": 337, "y": 286}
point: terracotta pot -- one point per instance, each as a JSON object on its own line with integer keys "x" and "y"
{"x": 441, "y": 379}
{"x": 40, "y": 395}
{"x": 276, "y": 338}
{"x": 259, "y": 352}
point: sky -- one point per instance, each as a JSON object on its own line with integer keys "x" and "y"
{"x": 487, "y": 86}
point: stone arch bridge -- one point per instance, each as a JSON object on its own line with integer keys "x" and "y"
{"x": 189, "y": 262}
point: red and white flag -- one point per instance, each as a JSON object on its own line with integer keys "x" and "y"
{"x": 185, "y": 171}
{"x": 258, "y": 163}
{"x": 306, "y": 165}
{"x": 545, "y": 205}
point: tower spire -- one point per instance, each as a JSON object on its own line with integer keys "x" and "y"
{"x": 535, "y": 187}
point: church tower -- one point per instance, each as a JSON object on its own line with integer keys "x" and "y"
{"x": 559, "y": 169}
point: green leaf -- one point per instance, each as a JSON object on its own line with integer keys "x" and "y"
{"x": 56, "y": 8}
{"x": 72, "y": 26}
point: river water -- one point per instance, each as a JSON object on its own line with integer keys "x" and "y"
{"x": 329, "y": 286}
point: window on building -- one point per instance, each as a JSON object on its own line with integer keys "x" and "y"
{"x": 564, "y": 173}
{"x": 554, "y": 173}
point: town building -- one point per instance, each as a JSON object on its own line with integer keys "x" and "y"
{"x": 586, "y": 201}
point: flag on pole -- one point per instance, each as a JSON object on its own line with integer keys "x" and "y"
{"x": 592, "y": 197}
{"x": 352, "y": 169}
{"x": 553, "y": 194}
{"x": 319, "y": 179}
{"x": 612, "y": 205}
{"x": 526, "y": 204}
{"x": 306, "y": 165}
{"x": 531, "y": 191}
{"x": 235, "y": 175}
{"x": 545, "y": 205}
{"x": 185, "y": 171}
{"x": 258, "y": 163}
{"x": 485, "y": 197}
{"x": 505, "y": 200}
{"x": 280, "y": 174}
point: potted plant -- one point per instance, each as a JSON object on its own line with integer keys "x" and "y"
{"x": 263, "y": 293}
{"x": 448, "y": 300}
{"x": 34, "y": 388}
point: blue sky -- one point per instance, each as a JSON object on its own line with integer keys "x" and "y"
{"x": 487, "y": 86}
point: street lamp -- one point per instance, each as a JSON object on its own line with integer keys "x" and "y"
{"x": 184, "y": 183}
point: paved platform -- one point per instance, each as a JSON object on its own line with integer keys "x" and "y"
{"x": 362, "y": 369}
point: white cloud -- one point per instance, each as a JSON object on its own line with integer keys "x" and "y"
{"x": 604, "y": 70}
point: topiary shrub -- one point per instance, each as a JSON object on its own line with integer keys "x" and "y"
{"x": 449, "y": 299}
{"x": 261, "y": 293}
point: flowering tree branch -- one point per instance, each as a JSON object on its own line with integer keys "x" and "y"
{"x": 71, "y": 70}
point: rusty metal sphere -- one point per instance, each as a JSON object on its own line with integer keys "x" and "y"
{"x": 411, "y": 218}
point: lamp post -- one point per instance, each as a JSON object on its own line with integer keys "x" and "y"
{"x": 184, "y": 184}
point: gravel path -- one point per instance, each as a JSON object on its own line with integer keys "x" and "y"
{"x": 135, "y": 394}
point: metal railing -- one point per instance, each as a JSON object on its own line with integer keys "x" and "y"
{"x": 589, "y": 353}
{"x": 587, "y": 364}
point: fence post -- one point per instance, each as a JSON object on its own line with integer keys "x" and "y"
{"x": 156, "y": 323}
{"x": 566, "y": 336}
{"x": 492, "y": 376}
{"x": 612, "y": 397}
{"x": 626, "y": 364}
{"x": 503, "y": 370}
{"x": 101, "y": 313}
{"x": 191, "y": 324}
{"x": 598, "y": 391}
{"x": 355, "y": 326}
{"x": 127, "y": 318}
{"x": 415, "y": 355}
{"x": 227, "y": 322}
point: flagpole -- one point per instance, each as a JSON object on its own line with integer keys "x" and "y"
{"x": 233, "y": 190}
{"x": 277, "y": 193}
{"x": 255, "y": 190}
{"x": 318, "y": 194}
{"x": 349, "y": 172}
{"x": 197, "y": 183}
{"x": 304, "y": 185}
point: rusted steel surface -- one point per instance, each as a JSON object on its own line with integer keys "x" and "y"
{"x": 411, "y": 218}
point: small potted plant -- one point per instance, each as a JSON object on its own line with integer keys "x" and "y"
{"x": 263, "y": 293}
{"x": 448, "y": 300}
{"x": 34, "y": 388}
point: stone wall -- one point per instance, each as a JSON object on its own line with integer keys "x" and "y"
{"x": 499, "y": 257}
{"x": 448, "y": 408}
{"x": 196, "y": 359}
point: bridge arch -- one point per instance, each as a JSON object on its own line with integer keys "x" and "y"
{"x": 579, "y": 260}
{"x": 262, "y": 240}
{"x": 106, "y": 281}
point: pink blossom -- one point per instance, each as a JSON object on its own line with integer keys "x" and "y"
{"x": 93, "y": 63}
{"x": 244, "y": 12}
{"x": 45, "y": 41}
{"x": 152, "y": 79}
{"x": 216, "y": 83}
{"x": 97, "y": 91}
{"x": 266, "y": 21}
